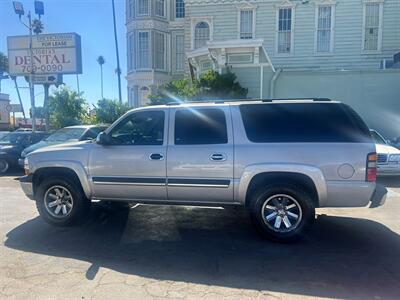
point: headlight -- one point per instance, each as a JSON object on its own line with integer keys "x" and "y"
{"x": 394, "y": 158}
{"x": 26, "y": 166}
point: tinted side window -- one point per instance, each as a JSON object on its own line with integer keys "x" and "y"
{"x": 200, "y": 126}
{"x": 303, "y": 122}
{"x": 140, "y": 128}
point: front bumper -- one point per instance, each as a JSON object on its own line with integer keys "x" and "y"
{"x": 388, "y": 170}
{"x": 26, "y": 183}
{"x": 21, "y": 162}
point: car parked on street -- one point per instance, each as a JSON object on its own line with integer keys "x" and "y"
{"x": 280, "y": 159}
{"x": 12, "y": 144}
{"x": 65, "y": 135}
{"x": 388, "y": 160}
{"x": 3, "y": 133}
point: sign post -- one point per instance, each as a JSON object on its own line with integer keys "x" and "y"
{"x": 44, "y": 58}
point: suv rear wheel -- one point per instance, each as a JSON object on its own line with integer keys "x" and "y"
{"x": 282, "y": 212}
{"x": 61, "y": 201}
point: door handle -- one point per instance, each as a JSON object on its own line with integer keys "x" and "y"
{"x": 218, "y": 157}
{"x": 156, "y": 156}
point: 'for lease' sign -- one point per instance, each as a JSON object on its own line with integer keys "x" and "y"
{"x": 58, "y": 53}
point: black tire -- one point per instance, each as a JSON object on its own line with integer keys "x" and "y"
{"x": 281, "y": 197}
{"x": 80, "y": 204}
{"x": 4, "y": 166}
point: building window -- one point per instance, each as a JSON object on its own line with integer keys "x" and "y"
{"x": 159, "y": 45}
{"x": 285, "y": 30}
{"x": 160, "y": 8}
{"x": 179, "y": 9}
{"x": 131, "y": 53}
{"x": 372, "y": 26}
{"x": 246, "y": 24}
{"x": 201, "y": 34}
{"x": 143, "y": 50}
{"x": 143, "y": 7}
{"x": 324, "y": 33}
{"x": 131, "y": 9}
{"x": 179, "y": 53}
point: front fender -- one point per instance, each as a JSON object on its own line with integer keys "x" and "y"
{"x": 312, "y": 172}
{"x": 75, "y": 166}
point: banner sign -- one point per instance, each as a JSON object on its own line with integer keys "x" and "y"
{"x": 58, "y": 53}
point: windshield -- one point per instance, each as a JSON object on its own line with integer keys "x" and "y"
{"x": 66, "y": 134}
{"x": 377, "y": 138}
{"x": 13, "y": 139}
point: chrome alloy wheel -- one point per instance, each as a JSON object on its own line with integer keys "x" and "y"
{"x": 281, "y": 213}
{"x": 58, "y": 201}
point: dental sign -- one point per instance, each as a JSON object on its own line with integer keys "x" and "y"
{"x": 58, "y": 53}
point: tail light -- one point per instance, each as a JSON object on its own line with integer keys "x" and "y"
{"x": 371, "y": 167}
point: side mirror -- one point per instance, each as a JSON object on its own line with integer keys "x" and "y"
{"x": 103, "y": 139}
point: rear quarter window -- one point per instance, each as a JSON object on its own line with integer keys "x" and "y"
{"x": 303, "y": 122}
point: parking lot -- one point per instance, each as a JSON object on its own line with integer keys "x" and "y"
{"x": 151, "y": 252}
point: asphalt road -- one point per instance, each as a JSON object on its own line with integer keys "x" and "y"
{"x": 151, "y": 252}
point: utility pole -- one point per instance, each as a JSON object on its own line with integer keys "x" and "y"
{"x": 46, "y": 105}
{"x": 19, "y": 97}
{"x": 116, "y": 50}
{"x": 31, "y": 73}
{"x": 39, "y": 10}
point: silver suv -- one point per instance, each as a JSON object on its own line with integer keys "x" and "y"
{"x": 280, "y": 159}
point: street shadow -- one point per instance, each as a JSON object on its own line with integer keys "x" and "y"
{"x": 340, "y": 258}
{"x": 391, "y": 182}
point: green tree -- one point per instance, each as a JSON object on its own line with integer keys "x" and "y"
{"x": 3, "y": 67}
{"x": 67, "y": 107}
{"x": 108, "y": 111}
{"x": 211, "y": 85}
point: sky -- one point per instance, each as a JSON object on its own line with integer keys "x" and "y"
{"x": 93, "y": 21}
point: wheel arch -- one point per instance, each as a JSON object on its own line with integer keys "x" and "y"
{"x": 44, "y": 172}
{"x": 306, "y": 176}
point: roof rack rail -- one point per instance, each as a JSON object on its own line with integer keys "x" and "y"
{"x": 249, "y": 100}
{"x": 296, "y": 99}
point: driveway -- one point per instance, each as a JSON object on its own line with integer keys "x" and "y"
{"x": 156, "y": 252}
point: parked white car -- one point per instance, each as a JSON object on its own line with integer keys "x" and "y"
{"x": 388, "y": 160}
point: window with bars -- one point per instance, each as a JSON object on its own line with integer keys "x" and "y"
{"x": 131, "y": 9}
{"x": 246, "y": 24}
{"x": 131, "y": 53}
{"x": 143, "y": 7}
{"x": 324, "y": 28}
{"x": 160, "y": 8}
{"x": 179, "y": 53}
{"x": 143, "y": 50}
{"x": 179, "y": 9}
{"x": 372, "y": 26}
{"x": 159, "y": 45}
{"x": 285, "y": 30}
{"x": 201, "y": 34}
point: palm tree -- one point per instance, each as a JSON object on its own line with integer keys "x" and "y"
{"x": 101, "y": 61}
{"x": 37, "y": 26}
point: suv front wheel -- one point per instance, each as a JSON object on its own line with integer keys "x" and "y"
{"x": 282, "y": 212}
{"x": 61, "y": 201}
